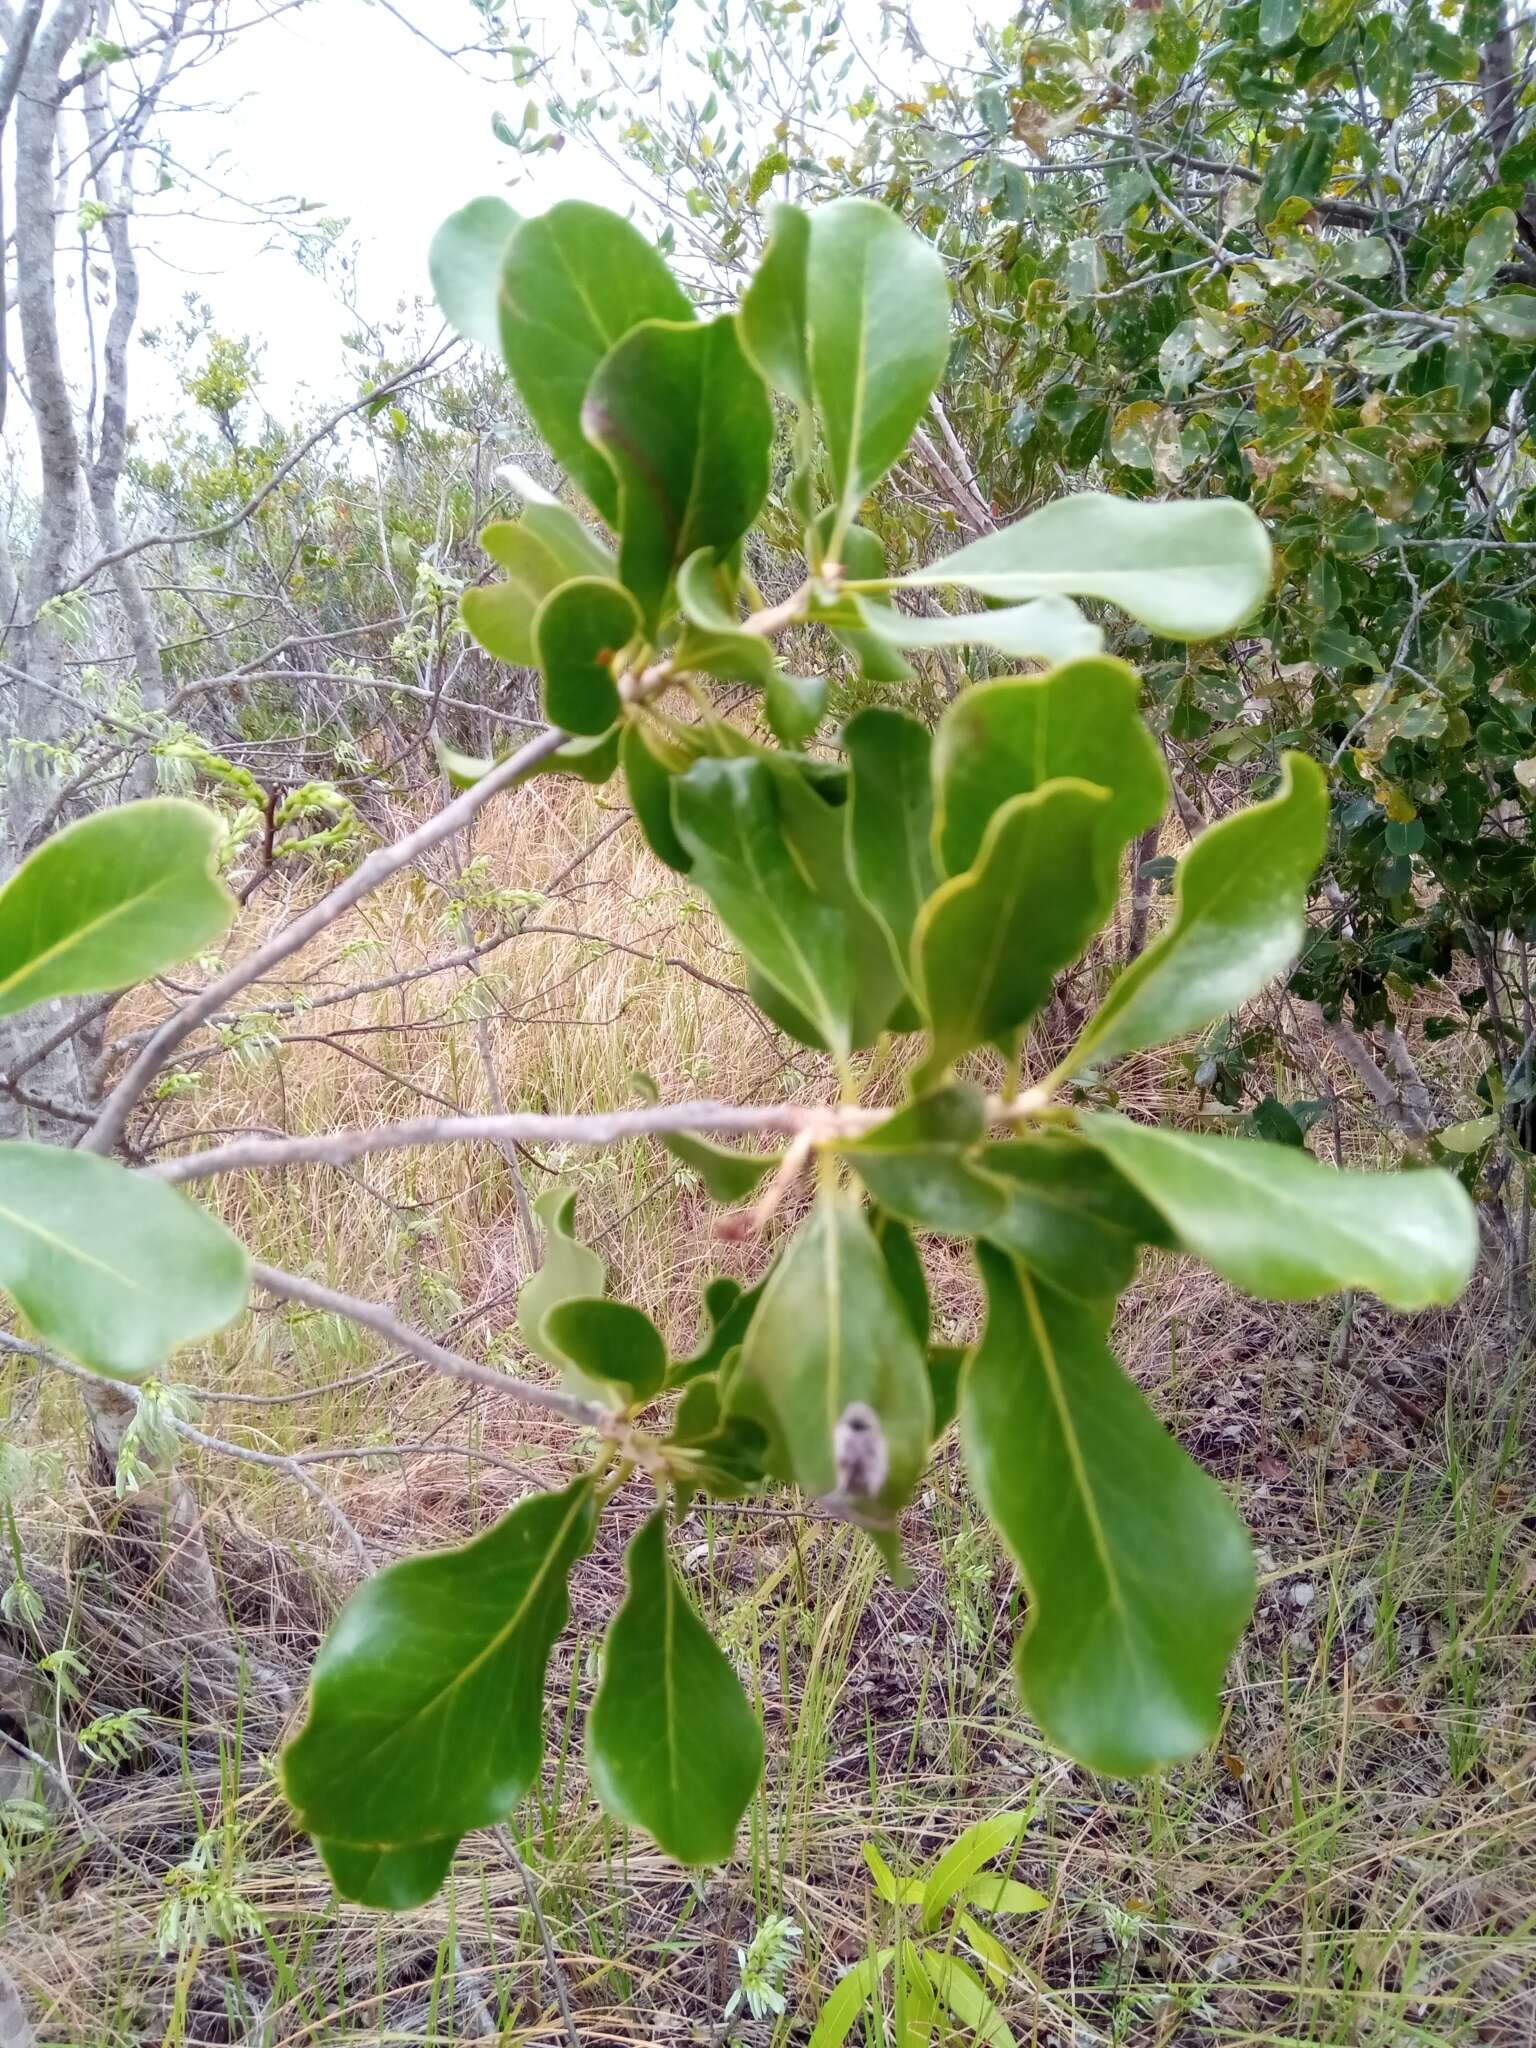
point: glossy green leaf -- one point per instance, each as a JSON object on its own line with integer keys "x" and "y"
{"x": 904, "y": 1263}
{"x": 686, "y": 425}
{"x": 1140, "y": 1574}
{"x": 990, "y": 1894}
{"x": 990, "y": 942}
{"x": 773, "y": 308}
{"x": 879, "y": 659}
{"x": 609, "y": 1341}
{"x": 714, "y": 642}
{"x": 946, "y": 1362}
{"x": 673, "y": 1745}
{"x": 110, "y": 900}
{"x": 110, "y": 1267}
{"x": 570, "y": 1271}
{"x": 593, "y": 759}
{"x": 919, "y": 1164}
{"x": 545, "y": 547}
{"x": 890, "y": 821}
{"x": 728, "y": 1175}
{"x": 877, "y": 313}
{"x": 580, "y": 631}
{"x": 1070, "y": 1215}
{"x": 727, "y": 817}
{"x": 794, "y": 706}
{"x": 1001, "y": 739}
{"x": 1278, "y": 22}
{"x": 1047, "y": 628}
{"x": 465, "y": 263}
{"x": 830, "y": 1330}
{"x": 426, "y": 1702}
{"x": 730, "y": 1310}
{"x": 1489, "y": 246}
{"x": 969, "y": 1853}
{"x": 1239, "y": 918}
{"x": 1281, "y": 1225}
{"x": 462, "y": 770}
{"x": 575, "y": 281}
{"x": 1190, "y": 571}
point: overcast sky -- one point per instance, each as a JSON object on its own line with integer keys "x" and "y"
{"x": 338, "y": 103}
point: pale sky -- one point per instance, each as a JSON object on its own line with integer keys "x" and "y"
{"x": 340, "y": 104}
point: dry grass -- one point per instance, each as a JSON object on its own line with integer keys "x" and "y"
{"x": 1355, "y": 1863}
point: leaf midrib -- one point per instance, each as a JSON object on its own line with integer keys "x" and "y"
{"x": 81, "y": 933}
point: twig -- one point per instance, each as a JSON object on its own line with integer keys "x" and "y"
{"x": 551, "y": 1960}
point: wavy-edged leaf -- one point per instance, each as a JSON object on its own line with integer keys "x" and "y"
{"x": 111, "y": 900}
{"x": 1239, "y": 917}
{"x": 1280, "y": 1224}
{"x": 877, "y": 314}
{"x": 426, "y": 1700}
{"x": 1070, "y": 1215}
{"x": 465, "y": 262}
{"x": 990, "y": 942}
{"x": 686, "y": 426}
{"x": 110, "y": 1267}
{"x": 831, "y": 1330}
{"x": 890, "y": 821}
{"x": 727, "y": 817}
{"x": 1190, "y": 571}
{"x": 773, "y": 314}
{"x": 1045, "y": 628}
{"x": 579, "y": 632}
{"x": 673, "y": 1745}
{"x": 543, "y": 548}
{"x": 574, "y": 281}
{"x": 610, "y": 1341}
{"x": 570, "y": 1271}
{"x": 1140, "y": 1574}
{"x": 1001, "y": 739}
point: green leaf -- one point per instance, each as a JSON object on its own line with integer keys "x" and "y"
{"x": 728, "y": 1175}
{"x": 686, "y": 425}
{"x": 715, "y": 642}
{"x": 1278, "y": 22}
{"x": 1239, "y": 919}
{"x": 464, "y": 264}
{"x": 794, "y": 706}
{"x": 990, "y": 1894}
{"x": 890, "y": 820}
{"x": 970, "y": 1852}
{"x": 989, "y": 943}
{"x": 946, "y": 1362}
{"x": 727, "y": 817}
{"x": 1046, "y": 628}
{"x": 1001, "y": 739}
{"x": 829, "y": 1331}
{"x": 1079, "y": 1226}
{"x": 877, "y": 314}
{"x": 650, "y": 762}
{"x": 773, "y": 313}
{"x": 593, "y": 759}
{"x": 813, "y": 815}
{"x": 544, "y": 548}
{"x": 730, "y": 1310}
{"x": 569, "y": 1272}
{"x": 1189, "y": 571}
{"x": 920, "y": 1165}
{"x": 1139, "y": 1573}
{"x": 111, "y": 900}
{"x": 111, "y": 1267}
{"x": 672, "y": 1742}
{"x": 1512, "y": 316}
{"x": 1281, "y": 1225}
{"x": 580, "y": 631}
{"x": 389, "y": 1880}
{"x": 879, "y": 660}
{"x": 1489, "y": 246}
{"x": 857, "y": 1989}
{"x": 904, "y": 1263}
{"x": 462, "y": 770}
{"x": 575, "y": 281}
{"x": 958, "y": 1985}
{"x": 609, "y": 1341}
{"x": 426, "y": 1702}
